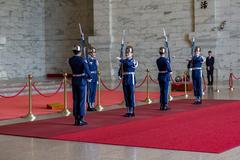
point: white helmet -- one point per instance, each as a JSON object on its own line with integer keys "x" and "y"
{"x": 76, "y": 48}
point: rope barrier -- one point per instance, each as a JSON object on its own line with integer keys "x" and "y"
{"x": 144, "y": 80}
{"x": 236, "y": 78}
{"x": 154, "y": 81}
{"x": 17, "y": 94}
{"x": 69, "y": 82}
{"x": 111, "y": 89}
{"x": 44, "y": 95}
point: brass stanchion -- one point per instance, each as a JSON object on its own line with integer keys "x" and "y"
{"x": 148, "y": 100}
{"x": 99, "y": 107}
{"x": 231, "y": 80}
{"x": 203, "y": 86}
{"x": 65, "y": 111}
{"x": 217, "y": 89}
{"x": 30, "y": 116}
{"x": 185, "y": 84}
{"x": 170, "y": 98}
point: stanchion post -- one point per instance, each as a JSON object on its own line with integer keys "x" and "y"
{"x": 170, "y": 97}
{"x": 203, "y": 80}
{"x": 148, "y": 100}
{"x": 231, "y": 80}
{"x": 30, "y": 116}
{"x": 185, "y": 85}
{"x": 99, "y": 107}
{"x": 217, "y": 89}
{"x": 65, "y": 111}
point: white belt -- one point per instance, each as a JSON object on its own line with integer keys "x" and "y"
{"x": 162, "y": 71}
{"x": 197, "y": 68}
{"x": 93, "y": 72}
{"x": 128, "y": 73}
{"x": 78, "y": 75}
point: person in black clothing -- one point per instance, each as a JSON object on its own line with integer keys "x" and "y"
{"x": 210, "y": 67}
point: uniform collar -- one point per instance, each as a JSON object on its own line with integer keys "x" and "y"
{"x": 197, "y": 55}
{"x": 79, "y": 55}
{"x": 91, "y": 57}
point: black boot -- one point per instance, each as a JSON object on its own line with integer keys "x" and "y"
{"x": 76, "y": 122}
{"x": 166, "y": 107}
{"x": 82, "y": 122}
{"x": 161, "y": 107}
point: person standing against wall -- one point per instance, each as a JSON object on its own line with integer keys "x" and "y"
{"x": 210, "y": 67}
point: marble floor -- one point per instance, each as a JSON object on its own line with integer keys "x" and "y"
{"x": 21, "y": 148}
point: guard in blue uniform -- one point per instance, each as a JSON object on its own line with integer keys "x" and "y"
{"x": 128, "y": 67}
{"x": 197, "y": 61}
{"x": 164, "y": 70}
{"x": 92, "y": 85}
{"x": 80, "y": 74}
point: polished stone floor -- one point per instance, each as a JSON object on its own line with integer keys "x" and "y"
{"x": 21, "y": 148}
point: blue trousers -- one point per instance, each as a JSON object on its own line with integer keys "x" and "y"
{"x": 197, "y": 86}
{"x": 163, "y": 92}
{"x": 92, "y": 87}
{"x": 129, "y": 96}
{"x": 79, "y": 99}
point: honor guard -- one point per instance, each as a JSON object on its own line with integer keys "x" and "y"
{"x": 80, "y": 74}
{"x": 197, "y": 61}
{"x": 92, "y": 85}
{"x": 128, "y": 67}
{"x": 164, "y": 70}
{"x": 210, "y": 67}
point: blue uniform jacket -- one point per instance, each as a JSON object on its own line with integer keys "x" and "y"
{"x": 197, "y": 62}
{"x": 129, "y": 66}
{"x": 79, "y": 67}
{"x": 93, "y": 67}
{"x": 164, "y": 69}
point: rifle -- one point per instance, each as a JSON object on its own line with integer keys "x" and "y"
{"x": 193, "y": 46}
{"x": 121, "y": 53}
{"x": 190, "y": 64}
{"x": 122, "y": 44}
{"x": 166, "y": 45}
{"x": 82, "y": 41}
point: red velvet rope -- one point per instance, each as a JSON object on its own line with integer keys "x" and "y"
{"x": 44, "y": 95}
{"x": 154, "y": 81}
{"x": 144, "y": 80}
{"x": 17, "y": 94}
{"x": 69, "y": 82}
{"x": 236, "y": 78}
{"x": 111, "y": 89}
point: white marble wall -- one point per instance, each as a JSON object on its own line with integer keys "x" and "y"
{"x": 21, "y": 38}
{"x": 36, "y": 36}
{"x": 143, "y": 21}
{"x": 62, "y": 30}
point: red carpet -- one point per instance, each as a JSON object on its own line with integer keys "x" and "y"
{"x": 17, "y": 107}
{"x": 213, "y": 127}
